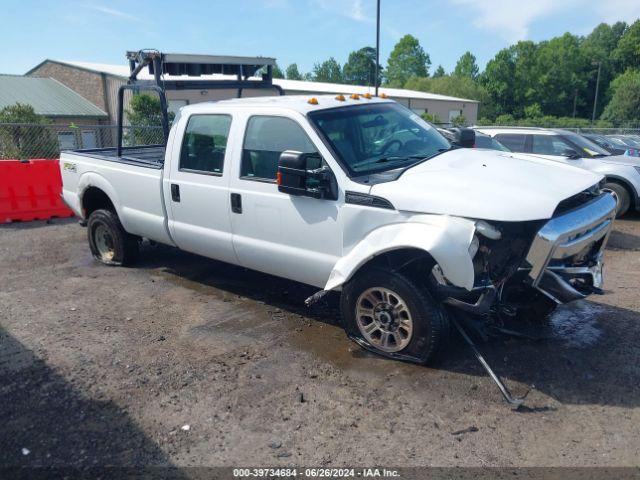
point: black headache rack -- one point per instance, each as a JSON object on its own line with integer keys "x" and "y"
{"x": 175, "y": 64}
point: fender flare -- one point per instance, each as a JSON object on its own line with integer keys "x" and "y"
{"x": 445, "y": 238}
{"x": 93, "y": 179}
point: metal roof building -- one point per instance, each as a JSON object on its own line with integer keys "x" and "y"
{"x": 48, "y": 97}
{"x": 99, "y": 83}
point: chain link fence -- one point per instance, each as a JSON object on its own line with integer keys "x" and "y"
{"x": 19, "y": 141}
{"x": 606, "y": 131}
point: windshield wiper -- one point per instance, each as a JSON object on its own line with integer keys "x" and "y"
{"x": 393, "y": 159}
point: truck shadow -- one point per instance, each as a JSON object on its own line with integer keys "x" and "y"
{"x": 47, "y": 422}
{"x": 587, "y": 354}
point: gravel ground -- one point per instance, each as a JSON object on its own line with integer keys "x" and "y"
{"x": 185, "y": 361}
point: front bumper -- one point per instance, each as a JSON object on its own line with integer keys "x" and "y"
{"x": 565, "y": 257}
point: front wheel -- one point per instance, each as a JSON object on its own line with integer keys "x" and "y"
{"x": 108, "y": 240}
{"x": 389, "y": 314}
{"x": 623, "y": 197}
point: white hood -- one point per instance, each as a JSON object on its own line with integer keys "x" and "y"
{"x": 486, "y": 184}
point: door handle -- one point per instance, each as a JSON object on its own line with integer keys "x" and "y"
{"x": 236, "y": 203}
{"x": 175, "y": 192}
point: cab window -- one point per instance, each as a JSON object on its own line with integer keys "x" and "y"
{"x": 265, "y": 139}
{"x": 513, "y": 141}
{"x": 204, "y": 144}
{"x": 549, "y": 145}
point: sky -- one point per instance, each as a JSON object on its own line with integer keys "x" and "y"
{"x": 301, "y": 31}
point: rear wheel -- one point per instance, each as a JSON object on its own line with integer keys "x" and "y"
{"x": 624, "y": 199}
{"x": 108, "y": 241}
{"x": 393, "y": 316}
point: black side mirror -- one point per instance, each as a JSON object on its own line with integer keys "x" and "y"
{"x": 464, "y": 137}
{"x": 295, "y": 178}
{"x": 570, "y": 153}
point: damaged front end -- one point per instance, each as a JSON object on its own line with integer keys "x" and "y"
{"x": 517, "y": 264}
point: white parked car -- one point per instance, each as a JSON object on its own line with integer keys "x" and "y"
{"x": 356, "y": 195}
{"x": 622, "y": 172}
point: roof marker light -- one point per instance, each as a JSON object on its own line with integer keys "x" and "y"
{"x": 383, "y": 95}
{"x": 313, "y": 101}
{"x": 340, "y": 98}
{"x": 354, "y": 96}
{"x": 367, "y": 96}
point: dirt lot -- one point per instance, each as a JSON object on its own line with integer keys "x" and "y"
{"x": 104, "y": 365}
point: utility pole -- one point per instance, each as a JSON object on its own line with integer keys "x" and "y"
{"x": 595, "y": 100}
{"x": 377, "y": 46}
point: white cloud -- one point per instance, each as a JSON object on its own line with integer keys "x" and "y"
{"x": 352, "y": 9}
{"x": 113, "y": 12}
{"x": 512, "y": 19}
{"x": 616, "y": 10}
{"x": 509, "y": 19}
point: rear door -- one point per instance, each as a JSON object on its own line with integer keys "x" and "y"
{"x": 198, "y": 186}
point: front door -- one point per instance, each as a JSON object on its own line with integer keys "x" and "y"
{"x": 199, "y": 188}
{"x": 292, "y": 237}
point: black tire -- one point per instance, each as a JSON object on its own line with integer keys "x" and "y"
{"x": 624, "y": 199}
{"x": 430, "y": 324}
{"x": 109, "y": 242}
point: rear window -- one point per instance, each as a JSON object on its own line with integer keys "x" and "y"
{"x": 513, "y": 141}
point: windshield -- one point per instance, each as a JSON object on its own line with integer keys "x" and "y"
{"x": 590, "y": 148}
{"x": 378, "y": 137}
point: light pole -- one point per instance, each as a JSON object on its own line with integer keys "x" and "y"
{"x": 595, "y": 100}
{"x": 377, "y": 46}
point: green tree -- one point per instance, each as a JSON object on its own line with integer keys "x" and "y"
{"x": 407, "y": 59}
{"x": 498, "y": 79}
{"x": 624, "y": 107}
{"x": 360, "y": 68}
{"x": 328, "y": 71}
{"x": 459, "y": 121}
{"x": 561, "y": 76}
{"x": 598, "y": 48}
{"x": 145, "y": 116}
{"x": 439, "y": 72}
{"x": 19, "y": 141}
{"x": 431, "y": 117}
{"x": 293, "y": 73}
{"x": 467, "y": 66}
{"x": 277, "y": 72}
{"x": 533, "y": 111}
{"x": 627, "y": 52}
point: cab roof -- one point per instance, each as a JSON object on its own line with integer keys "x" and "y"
{"x": 298, "y": 103}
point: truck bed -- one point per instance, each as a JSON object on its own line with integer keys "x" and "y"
{"x": 150, "y": 156}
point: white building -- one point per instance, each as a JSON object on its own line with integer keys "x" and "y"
{"x": 99, "y": 84}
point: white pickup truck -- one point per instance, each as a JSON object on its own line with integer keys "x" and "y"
{"x": 358, "y": 195}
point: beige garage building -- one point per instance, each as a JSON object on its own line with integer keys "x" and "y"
{"x": 99, "y": 84}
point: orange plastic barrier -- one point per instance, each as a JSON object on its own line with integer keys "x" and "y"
{"x": 30, "y": 190}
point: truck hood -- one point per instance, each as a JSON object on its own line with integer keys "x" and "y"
{"x": 486, "y": 184}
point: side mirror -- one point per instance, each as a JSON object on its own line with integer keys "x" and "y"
{"x": 570, "y": 153}
{"x": 464, "y": 137}
{"x": 295, "y": 178}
